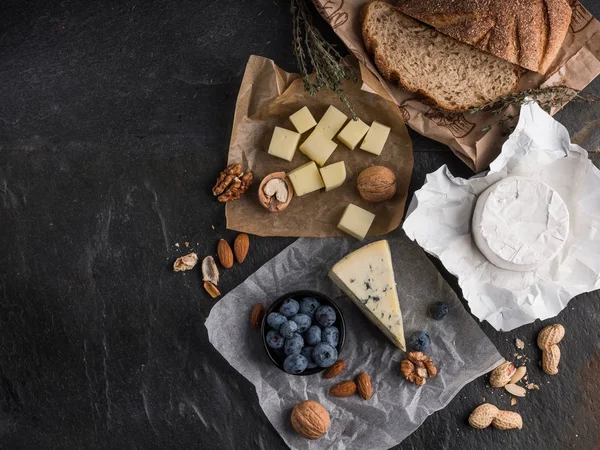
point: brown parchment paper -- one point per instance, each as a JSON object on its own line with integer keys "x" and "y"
{"x": 576, "y": 65}
{"x": 267, "y": 97}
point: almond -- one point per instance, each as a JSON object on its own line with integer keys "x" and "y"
{"x": 256, "y": 316}
{"x": 335, "y": 369}
{"x": 363, "y": 385}
{"x": 241, "y": 246}
{"x": 343, "y": 389}
{"x": 211, "y": 289}
{"x": 225, "y": 254}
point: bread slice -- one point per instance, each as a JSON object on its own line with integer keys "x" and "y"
{"x": 455, "y": 76}
{"x": 528, "y": 33}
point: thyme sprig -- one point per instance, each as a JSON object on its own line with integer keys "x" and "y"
{"x": 547, "y": 98}
{"x": 310, "y": 46}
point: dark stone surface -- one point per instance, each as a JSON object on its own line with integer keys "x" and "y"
{"x": 115, "y": 118}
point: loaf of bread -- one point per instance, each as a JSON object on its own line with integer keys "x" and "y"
{"x": 455, "y": 76}
{"x": 528, "y": 33}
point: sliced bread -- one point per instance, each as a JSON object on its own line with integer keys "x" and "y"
{"x": 455, "y": 76}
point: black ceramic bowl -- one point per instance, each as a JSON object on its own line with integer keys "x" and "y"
{"x": 277, "y": 355}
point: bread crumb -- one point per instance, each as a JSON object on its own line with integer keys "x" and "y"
{"x": 513, "y": 401}
{"x": 533, "y": 387}
{"x": 187, "y": 244}
{"x": 519, "y": 356}
{"x": 212, "y": 226}
{"x": 519, "y": 344}
{"x": 177, "y": 244}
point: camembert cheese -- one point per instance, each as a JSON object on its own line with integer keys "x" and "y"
{"x": 367, "y": 277}
{"x": 520, "y": 224}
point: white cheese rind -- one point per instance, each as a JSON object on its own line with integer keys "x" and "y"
{"x": 520, "y": 224}
{"x": 367, "y": 277}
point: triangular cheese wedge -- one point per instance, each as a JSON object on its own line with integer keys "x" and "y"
{"x": 367, "y": 277}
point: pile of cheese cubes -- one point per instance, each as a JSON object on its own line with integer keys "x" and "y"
{"x": 318, "y": 147}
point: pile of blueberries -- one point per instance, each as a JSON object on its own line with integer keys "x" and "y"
{"x": 306, "y": 333}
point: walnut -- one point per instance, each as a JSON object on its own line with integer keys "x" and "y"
{"x": 310, "y": 419}
{"x": 232, "y": 183}
{"x": 376, "y": 184}
{"x": 417, "y": 368}
{"x": 275, "y": 192}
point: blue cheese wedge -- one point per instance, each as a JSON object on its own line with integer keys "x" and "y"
{"x": 367, "y": 277}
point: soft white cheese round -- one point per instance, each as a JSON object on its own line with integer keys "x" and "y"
{"x": 520, "y": 224}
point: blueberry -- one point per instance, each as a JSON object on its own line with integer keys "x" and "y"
{"x": 331, "y": 336}
{"x": 303, "y": 321}
{"x": 324, "y": 355}
{"x": 288, "y": 329}
{"x": 438, "y": 310}
{"x": 275, "y": 320}
{"x": 308, "y": 305}
{"x": 419, "y": 341}
{"x": 295, "y": 364}
{"x": 274, "y": 339}
{"x": 293, "y": 345}
{"x": 289, "y": 307}
{"x": 313, "y": 335}
{"x": 325, "y": 316}
{"x": 307, "y": 353}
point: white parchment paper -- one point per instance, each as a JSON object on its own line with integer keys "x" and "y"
{"x": 460, "y": 349}
{"x": 440, "y": 221}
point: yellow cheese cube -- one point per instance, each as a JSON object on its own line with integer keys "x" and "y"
{"x": 333, "y": 175}
{"x": 318, "y": 148}
{"x": 331, "y": 122}
{"x": 353, "y": 133}
{"x": 306, "y": 179}
{"x": 375, "y": 138}
{"x": 356, "y": 221}
{"x": 303, "y": 120}
{"x": 284, "y": 143}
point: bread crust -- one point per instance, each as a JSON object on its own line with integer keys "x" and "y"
{"x": 528, "y": 33}
{"x": 394, "y": 76}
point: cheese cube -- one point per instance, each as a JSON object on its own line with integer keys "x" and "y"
{"x": 353, "y": 133}
{"x": 375, "y": 138}
{"x": 303, "y": 120}
{"x": 318, "y": 148}
{"x": 356, "y": 221}
{"x": 306, "y": 179}
{"x": 333, "y": 175}
{"x": 331, "y": 122}
{"x": 284, "y": 143}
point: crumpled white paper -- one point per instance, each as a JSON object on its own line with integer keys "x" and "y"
{"x": 460, "y": 349}
{"x": 440, "y": 221}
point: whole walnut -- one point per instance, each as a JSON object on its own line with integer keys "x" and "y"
{"x": 310, "y": 419}
{"x": 376, "y": 184}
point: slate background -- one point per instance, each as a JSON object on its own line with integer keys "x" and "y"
{"x": 115, "y": 119}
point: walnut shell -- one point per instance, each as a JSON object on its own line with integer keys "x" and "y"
{"x": 376, "y": 184}
{"x": 310, "y": 419}
{"x": 271, "y": 202}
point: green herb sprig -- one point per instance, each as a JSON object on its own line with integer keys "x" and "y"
{"x": 310, "y": 46}
{"x": 547, "y": 98}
